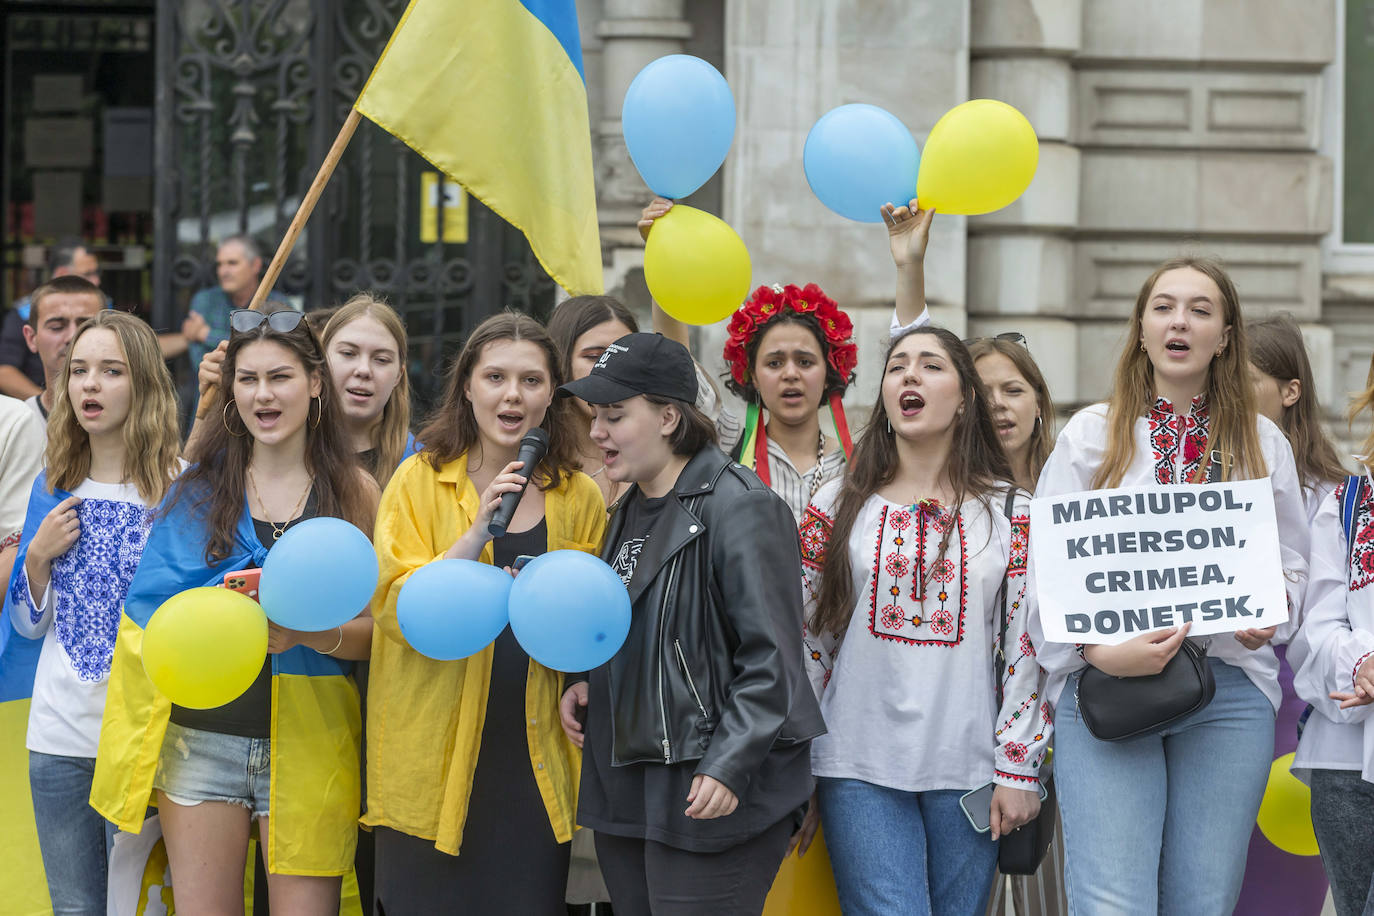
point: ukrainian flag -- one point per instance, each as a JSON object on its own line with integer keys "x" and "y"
{"x": 492, "y": 92}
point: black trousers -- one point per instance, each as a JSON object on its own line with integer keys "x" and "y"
{"x": 647, "y": 878}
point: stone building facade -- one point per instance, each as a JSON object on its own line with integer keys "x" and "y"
{"x": 1176, "y": 126}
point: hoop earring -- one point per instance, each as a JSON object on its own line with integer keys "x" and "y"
{"x": 1037, "y": 425}
{"x": 1142, "y": 347}
{"x": 224, "y": 418}
{"x": 316, "y": 401}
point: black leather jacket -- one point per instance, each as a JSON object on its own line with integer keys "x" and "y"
{"x": 712, "y": 667}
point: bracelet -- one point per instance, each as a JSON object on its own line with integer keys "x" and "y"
{"x": 337, "y": 644}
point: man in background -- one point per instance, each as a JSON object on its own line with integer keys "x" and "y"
{"x": 57, "y": 309}
{"x": 238, "y": 265}
{"x": 21, "y": 370}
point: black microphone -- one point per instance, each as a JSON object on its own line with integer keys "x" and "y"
{"x": 532, "y": 450}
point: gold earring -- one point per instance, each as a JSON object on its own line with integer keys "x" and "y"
{"x": 1142, "y": 347}
{"x": 319, "y": 414}
{"x": 224, "y": 418}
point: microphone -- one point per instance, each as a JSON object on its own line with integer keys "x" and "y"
{"x": 532, "y": 450}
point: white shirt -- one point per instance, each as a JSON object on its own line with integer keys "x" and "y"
{"x": 909, "y": 694}
{"x": 1337, "y": 634}
{"x": 77, "y": 618}
{"x": 37, "y": 407}
{"x": 1169, "y": 449}
{"x": 22, "y": 442}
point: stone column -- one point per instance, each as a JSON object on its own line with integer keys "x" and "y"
{"x": 789, "y": 62}
{"x": 1020, "y": 259}
{"x": 630, "y": 35}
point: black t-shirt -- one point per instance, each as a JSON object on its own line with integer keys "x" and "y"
{"x": 641, "y": 514}
{"x": 249, "y": 716}
{"x": 647, "y": 800}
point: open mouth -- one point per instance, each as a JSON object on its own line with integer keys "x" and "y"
{"x": 793, "y": 395}
{"x": 609, "y": 456}
{"x": 911, "y": 403}
{"x": 361, "y": 394}
{"x": 91, "y": 408}
{"x": 510, "y": 420}
{"x": 1177, "y": 346}
{"x": 1006, "y": 426}
{"x": 267, "y": 418}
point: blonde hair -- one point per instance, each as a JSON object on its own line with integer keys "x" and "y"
{"x": 390, "y": 433}
{"x": 1232, "y": 431}
{"x": 151, "y": 434}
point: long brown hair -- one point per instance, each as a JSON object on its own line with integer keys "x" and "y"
{"x": 1276, "y": 349}
{"x": 452, "y": 429}
{"x": 977, "y": 463}
{"x": 1230, "y": 400}
{"x": 1042, "y": 437}
{"x": 578, "y": 315}
{"x": 152, "y": 444}
{"x": 390, "y": 434}
{"x": 217, "y": 482}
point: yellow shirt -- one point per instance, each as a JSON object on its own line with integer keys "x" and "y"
{"x": 425, "y": 717}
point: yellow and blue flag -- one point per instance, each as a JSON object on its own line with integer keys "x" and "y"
{"x": 493, "y": 93}
{"x": 26, "y": 888}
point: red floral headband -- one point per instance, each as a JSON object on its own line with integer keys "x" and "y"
{"x": 768, "y": 302}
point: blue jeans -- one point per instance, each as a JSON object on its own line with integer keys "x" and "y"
{"x": 912, "y": 853}
{"x": 75, "y": 841}
{"x": 1161, "y": 823}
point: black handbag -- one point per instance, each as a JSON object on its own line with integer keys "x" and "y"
{"x": 1021, "y": 851}
{"x": 1117, "y": 708}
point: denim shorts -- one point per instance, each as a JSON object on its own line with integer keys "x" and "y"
{"x": 198, "y": 766}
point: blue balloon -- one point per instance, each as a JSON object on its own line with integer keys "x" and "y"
{"x": 678, "y": 119}
{"x": 320, "y": 575}
{"x": 451, "y": 609}
{"x": 859, "y": 157}
{"x": 569, "y": 610}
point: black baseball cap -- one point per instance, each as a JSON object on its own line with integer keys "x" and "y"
{"x": 638, "y": 364}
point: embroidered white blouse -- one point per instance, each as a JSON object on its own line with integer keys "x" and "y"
{"x": 909, "y": 694}
{"x": 1336, "y": 636}
{"x": 1169, "y": 448}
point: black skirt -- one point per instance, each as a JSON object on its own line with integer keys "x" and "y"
{"x": 510, "y": 861}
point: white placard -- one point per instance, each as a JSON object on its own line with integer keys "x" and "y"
{"x": 1112, "y": 564}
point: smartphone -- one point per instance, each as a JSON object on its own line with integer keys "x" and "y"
{"x": 977, "y": 805}
{"x": 520, "y": 562}
{"x": 243, "y": 581}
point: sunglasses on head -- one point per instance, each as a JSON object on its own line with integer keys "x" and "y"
{"x": 1015, "y": 337}
{"x": 245, "y": 321}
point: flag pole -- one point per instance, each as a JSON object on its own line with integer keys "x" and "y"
{"x": 307, "y": 206}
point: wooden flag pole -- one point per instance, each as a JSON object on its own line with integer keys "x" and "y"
{"x": 307, "y": 206}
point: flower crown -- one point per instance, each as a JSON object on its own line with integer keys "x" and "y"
{"x": 767, "y": 303}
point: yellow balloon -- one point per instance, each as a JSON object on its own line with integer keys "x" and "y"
{"x": 979, "y": 157}
{"x": 1285, "y": 814}
{"x": 205, "y": 646}
{"x": 804, "y": 886}
{"x": 696, "y": 266}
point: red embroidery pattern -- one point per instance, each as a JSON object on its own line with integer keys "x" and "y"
{"x": 1169, "y": 432}
{"x": 1017, "y": 777}
{"x": 1362, "y": 551}
{"x": 930, "y": 611}
{"x": 11, "y": 540}
{"x": 1020, "y": 545}
{"x": 814, "y": 534}
{"x": 1355, "y": 671}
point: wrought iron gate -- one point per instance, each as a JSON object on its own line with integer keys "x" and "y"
{"x": 250, "y": 94}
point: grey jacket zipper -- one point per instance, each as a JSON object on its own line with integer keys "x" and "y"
{"x": 662, "y": 619}
{"x": 682, "y": 660}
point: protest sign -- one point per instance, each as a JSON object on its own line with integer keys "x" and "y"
{"x": 1112, "y": 564}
